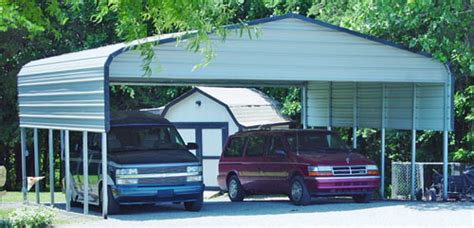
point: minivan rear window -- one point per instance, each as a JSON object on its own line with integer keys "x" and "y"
{"x": 236, "y": 145}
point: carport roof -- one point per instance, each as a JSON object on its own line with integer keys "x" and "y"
{"x": 70, "y": 91}
{"x": 99, "y": 57}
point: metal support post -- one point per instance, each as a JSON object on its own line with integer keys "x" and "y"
{"x": 51, "y": 166}
{"x": 85, "y": 168}
{"x": 35, "y": 144}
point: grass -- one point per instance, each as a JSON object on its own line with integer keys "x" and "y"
{"x": 45, "y": 197}
{"x": 61, "y": 218}
{"x": 5, "y": 211}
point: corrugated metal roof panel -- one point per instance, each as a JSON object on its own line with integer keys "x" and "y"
{"x": 290, "y": 50}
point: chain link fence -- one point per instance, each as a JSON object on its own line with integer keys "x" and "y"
{"x": 401, "y": 176}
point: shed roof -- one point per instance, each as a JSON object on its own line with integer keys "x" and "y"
{"x": 248, "y": 107}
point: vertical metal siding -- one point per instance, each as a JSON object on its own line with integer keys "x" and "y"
{"x": 398, "y": 105}
{"x": 369, "y": 105}
{"x": 318, "y": 103}
{"x": 342, "y": 103}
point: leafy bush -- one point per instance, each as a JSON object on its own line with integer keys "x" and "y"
{"x": 31, "y": 217}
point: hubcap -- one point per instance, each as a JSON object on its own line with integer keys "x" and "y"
{"x": 296, "y": 191}
{"x": 233, "y": 188}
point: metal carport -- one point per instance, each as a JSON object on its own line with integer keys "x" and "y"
{"x": 348, "y": 79}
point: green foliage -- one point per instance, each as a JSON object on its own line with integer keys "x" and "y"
{"x": 34, "y": 217}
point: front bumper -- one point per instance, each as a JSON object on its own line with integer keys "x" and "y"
{"x": 342, "y": 186}
{"x": 135, "y": 194}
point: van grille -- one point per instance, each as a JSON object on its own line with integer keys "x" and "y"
{"x": 162, "y": 180}
{"x": 153, "y": 170}
{"x": 349, "y": 170}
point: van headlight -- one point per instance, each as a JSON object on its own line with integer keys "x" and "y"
{"x": 194, "y": 169}
{"x": 194, "y": 178}
{"x": 319, "y": 171}
{"x": 372, "y": 170}
{"x": 125, "y": 181}
{"x": 125, "y": 172}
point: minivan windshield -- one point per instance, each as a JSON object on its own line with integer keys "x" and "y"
{"x": 315, "y": 142}
{"x": 144, "y": 138}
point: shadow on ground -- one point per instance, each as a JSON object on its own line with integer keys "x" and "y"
{"x": 258, "y": 206}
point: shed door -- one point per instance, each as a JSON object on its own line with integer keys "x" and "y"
{"x": 211, "y": 137}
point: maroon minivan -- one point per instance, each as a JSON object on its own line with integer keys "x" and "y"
{"x": 298, "y": 163}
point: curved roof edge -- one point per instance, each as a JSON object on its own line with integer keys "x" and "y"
{"x": 105, "y": 54}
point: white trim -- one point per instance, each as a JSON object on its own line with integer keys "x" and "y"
{"x": 63, "y": 116}
{"x": 60, "y": 93}
{"x": 157, "y": 175}
{"x": 346, "y": 178}
{"x": 63, "y": 105}
{"x": 95, "y": 130}
{"x": 61, "y": 81}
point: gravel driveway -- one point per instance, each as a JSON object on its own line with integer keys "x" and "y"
{"x": 278, "y": 211}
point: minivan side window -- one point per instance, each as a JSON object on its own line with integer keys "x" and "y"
{"x": 275, "y": 144}
{"x": 256, "y": 145}
{"x": 236, "y": 145}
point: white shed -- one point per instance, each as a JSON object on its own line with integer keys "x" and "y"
{"x": 208, "y": 115}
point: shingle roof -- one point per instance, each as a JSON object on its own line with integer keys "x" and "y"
{"x": 250, "y": 107}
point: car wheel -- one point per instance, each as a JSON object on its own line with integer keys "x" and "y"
{"x": 235, "y": 189}
{"x": 74, "y": 203}
{"x": 113, "y": 207}
{"x": 365, "y": 198}
{"x": 194, "y": 205}
{"x": 419, "y": 194}
{"x": 299, "y": 194}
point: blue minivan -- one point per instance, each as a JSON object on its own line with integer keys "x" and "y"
{"x": 148, "y": 163}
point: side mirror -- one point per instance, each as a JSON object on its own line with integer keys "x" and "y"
{"x": 192, "y": 146}
{"x": 280, "y": 152}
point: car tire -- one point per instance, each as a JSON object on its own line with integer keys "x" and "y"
{"x": 113, "y": 207}
{"x": 235, "y": 190}
{"x": 365, "y": 198}
{"x": 299, "y": 193}
{"x": 194, "y": 205}
{"x": 419, "y": 194}
{"x": 74, "y": 203}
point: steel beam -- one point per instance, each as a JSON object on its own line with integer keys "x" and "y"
{"x": 304, "y": 106}
{"x": 23, "y": 164}
{"x": 354, "y": 117}
{"x": 382, "y": 146}
{"x": 68, "y": 170}
{"x": 35, "y": 147}
{"x": 445, "y": 143}
{"x": 330, "y": 107}
{"x": 51, "y": 166}
{"x": 413, "y": 145}
{"x": 445, "y": 165}
{"x": 105, "y": 198}
{"x": 85, "y": 168}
